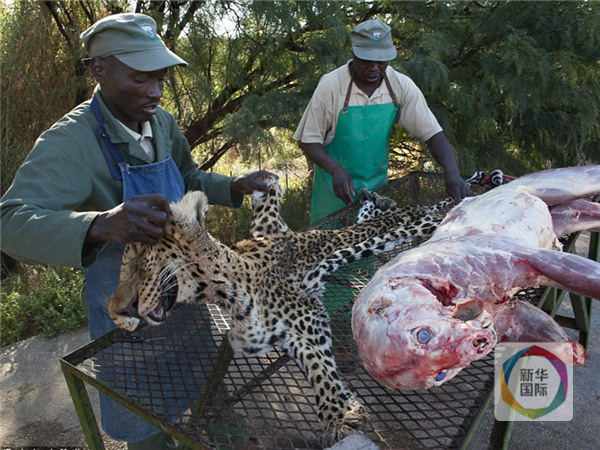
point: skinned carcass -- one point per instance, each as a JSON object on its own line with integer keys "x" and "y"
{"x": 434, "y": 309}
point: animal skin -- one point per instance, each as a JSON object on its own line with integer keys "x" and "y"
{"x": 434, "y": 309}
{"x": 270, "y": 285}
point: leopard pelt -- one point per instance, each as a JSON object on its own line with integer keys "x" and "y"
{"x": 270, "y": 285}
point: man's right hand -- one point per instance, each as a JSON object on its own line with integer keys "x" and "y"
{"x": 141, "y": 218}
{"x": 343, "y": 186}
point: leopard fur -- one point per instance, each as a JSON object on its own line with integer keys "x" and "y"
{"x": 374, "y": 205}
{"x": 269, "y": 285}
{"x": 266, "y": 219}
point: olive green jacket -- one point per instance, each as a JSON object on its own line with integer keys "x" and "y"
{"x": 65, "y": 183}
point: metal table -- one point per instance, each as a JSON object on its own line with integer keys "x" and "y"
{"x": 266, "y": 403}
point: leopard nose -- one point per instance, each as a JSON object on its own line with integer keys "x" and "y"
{"x": 131, "y": 310}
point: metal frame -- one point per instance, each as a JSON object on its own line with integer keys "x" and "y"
{"x": 550, "y": 301}
{"x": 265, "y": 401}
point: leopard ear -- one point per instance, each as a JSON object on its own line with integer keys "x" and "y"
{"x": 191, "y": 209}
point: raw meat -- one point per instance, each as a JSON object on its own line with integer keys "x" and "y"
{"x": 432, "y": 310}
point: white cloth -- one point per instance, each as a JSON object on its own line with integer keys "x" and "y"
{"x": 144, "y": 139}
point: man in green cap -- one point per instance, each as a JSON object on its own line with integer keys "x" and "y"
{"x": 345, "y": 129}
{"x": 103, "y": 176}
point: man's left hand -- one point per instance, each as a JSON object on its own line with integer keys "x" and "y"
{"x": 458, "y": 189}
{"x": 254, "y": 181}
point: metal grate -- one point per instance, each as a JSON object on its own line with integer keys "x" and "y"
{"x": 182, "y": 375}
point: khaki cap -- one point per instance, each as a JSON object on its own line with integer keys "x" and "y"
{"x": 132, "y": 39}
{"x": 372, "y": 41}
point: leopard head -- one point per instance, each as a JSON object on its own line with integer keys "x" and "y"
{"x": 154, "y": 277}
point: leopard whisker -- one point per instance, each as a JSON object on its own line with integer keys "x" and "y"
{"x": 168, "y": 275}
{"x": 173, "y": 269}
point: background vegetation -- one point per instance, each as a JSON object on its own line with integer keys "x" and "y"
{"x": 515, "y": 86}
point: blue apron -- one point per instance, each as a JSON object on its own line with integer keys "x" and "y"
{"x": 102, "y": 278}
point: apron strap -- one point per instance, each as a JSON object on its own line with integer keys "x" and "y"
{"x": 348, "y": 92}
{"x": 387, "y": 83}
{"x": 389, "y": 87}
{"x": 105, "y": 143}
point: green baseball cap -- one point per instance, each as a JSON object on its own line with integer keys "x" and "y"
{"x": 132, "y": 39}
{"x": 372, "y": 41}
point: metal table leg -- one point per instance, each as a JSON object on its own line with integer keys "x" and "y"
{"x": 83, "y": 407}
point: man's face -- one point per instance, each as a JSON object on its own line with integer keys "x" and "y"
{"x": 369, "y": 72}
{"x": 132, "y": 96}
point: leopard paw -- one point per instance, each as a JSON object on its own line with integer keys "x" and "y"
{"x": 345, "y": 423}
{"x": 373, "y": 205}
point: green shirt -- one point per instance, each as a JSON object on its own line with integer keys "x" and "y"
{"x": 65, "y": 183}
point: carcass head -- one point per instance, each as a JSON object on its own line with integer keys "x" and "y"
{"x": 409, "y": 339}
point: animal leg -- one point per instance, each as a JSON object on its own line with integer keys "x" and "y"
{"x": 557, "y": 186}
{"x": 266, "y": 206}
{"x": 476, "y": 178}
{"x": 373, "y": 205}
{"x": 312, "y": 281}
{"x": 338, "y": 410}
{"x": 564, "y": 270}
{"x": 577, "y": 215}
{"x": 399, "y": 230}
{"x": 519, "y": 321}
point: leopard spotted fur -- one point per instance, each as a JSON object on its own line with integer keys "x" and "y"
{"x": 270, "y": 285}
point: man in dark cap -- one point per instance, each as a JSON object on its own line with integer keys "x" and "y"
{"x": 103, "y": 176}
{"x": 346, "y": 127}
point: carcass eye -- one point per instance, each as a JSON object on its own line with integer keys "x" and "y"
{"x": 441, "y": 375}
{"x": 423, "y": 336}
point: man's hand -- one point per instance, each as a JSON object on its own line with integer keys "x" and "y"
{"x": 457, "y": 188}
{"x": 141, "y": 218}
{"x": 343, "y": 186}
{"x": 254, "y": 181}
{"x": 442, "y": 152}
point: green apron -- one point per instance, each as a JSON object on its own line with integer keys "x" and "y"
{"x": 361, "y": 146}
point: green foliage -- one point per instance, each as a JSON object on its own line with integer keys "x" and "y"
{"x": 12, "y": 323}
{"x": 229, "y": 225}
{"x": 295, "y": 207}
{"x": 40, "y": 300}
{"x": 251, "y": 77}
{"x": 514, "y": 84}
{"x": 41, "y": 79}
{"x": 232, "y": 225}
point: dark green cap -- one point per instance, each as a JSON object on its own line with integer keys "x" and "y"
{"x": 372, "y": 41}
{"x": 132, "y": 39}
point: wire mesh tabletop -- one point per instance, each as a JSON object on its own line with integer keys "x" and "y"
{"x": 266, "y": 402}
{"x": 183, "y": 377}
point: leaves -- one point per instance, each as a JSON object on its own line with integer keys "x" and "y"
{"x": 41, "y": 300}
{"x": 513, "y": 83}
